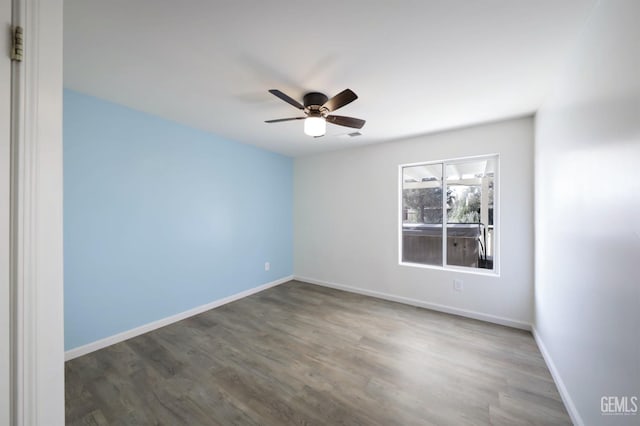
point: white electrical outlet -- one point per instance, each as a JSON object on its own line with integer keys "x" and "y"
{"x": 458, "y": 285}
{"x": 267, "y": 266}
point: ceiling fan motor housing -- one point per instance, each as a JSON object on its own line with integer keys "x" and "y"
{"x": 313, "y": 104}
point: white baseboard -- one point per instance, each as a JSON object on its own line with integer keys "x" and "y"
{"x": 562, "y": 389}
{"x": 419, "y": 303}
{"x": 120, "y": 337}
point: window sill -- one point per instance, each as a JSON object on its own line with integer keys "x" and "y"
{"x": 461, "y": 269}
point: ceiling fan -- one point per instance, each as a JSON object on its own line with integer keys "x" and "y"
{"x": 318, "y": 108}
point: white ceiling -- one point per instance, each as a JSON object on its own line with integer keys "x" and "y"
{"x": 417, "y": 66}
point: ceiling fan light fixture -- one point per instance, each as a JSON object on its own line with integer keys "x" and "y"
{"x": 315, "y": 126}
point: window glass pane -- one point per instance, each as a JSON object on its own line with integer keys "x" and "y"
{"x": 470, "y": 213}
{"x": 422, "y": 214}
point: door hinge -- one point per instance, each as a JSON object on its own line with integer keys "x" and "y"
{"x": 17, "y": 45}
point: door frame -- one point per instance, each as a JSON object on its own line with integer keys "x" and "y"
{"x": 5, "y": 220}
{"x": 36, "y": 270}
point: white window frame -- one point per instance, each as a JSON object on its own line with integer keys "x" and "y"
{"x": 495, "y": 272}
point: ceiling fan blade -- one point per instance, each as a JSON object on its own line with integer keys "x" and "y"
{"x": 341, "y": 99}
{"x": 284, "y": 119}
{"x": 340, "y": 120}
{"x": 288, "y": 99}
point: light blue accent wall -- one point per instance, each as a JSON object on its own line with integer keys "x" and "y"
{"x": 160, "y": 218}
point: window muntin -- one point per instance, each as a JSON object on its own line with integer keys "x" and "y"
{"x": 468, "y": 209}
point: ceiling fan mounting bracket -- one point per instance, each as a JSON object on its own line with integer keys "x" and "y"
{"x": 316, "y": 111}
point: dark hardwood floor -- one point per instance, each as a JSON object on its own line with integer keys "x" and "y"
{"x": 308, "y": 355}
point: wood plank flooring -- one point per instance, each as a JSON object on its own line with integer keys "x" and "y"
{"x": 306, "y": 355}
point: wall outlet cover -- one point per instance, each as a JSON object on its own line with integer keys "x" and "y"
{"x": 458, "y": 285}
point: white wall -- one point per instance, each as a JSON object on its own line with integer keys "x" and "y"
{"x": 346, "y": 222}
{"x": 587, "y": 299}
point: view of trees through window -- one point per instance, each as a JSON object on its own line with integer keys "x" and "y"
{"x": 425, "y": 205}
{"x": 464, "y": 203}
{"x": 469, "y": 187}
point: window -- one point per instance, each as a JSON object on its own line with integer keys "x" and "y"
{"x": 460, "y": 194}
